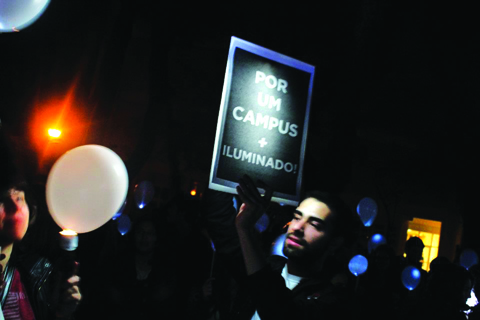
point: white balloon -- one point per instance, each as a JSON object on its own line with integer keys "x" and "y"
{"x": 86, "y": 187}
{"x": 19, "y": 14}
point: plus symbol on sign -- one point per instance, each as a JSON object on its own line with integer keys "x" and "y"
{"x": 262, "y": 142}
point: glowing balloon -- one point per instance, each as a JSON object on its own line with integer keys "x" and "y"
{"x": 358, "y": 265}
{"x": 411, "y": 277}
{"x": 375, "y": 241}
{"x": 143, "y": 193}
{"x": 86, "y": 187}
{"x": 262, "y": 223}
{"x": 19, "y": 14}
{"x": 124, "y": 224}
{"x": 277, "y": 248}
{"x": 468, "y": 258}
{"x": 367, "y": 210}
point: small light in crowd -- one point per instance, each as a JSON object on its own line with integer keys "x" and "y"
{"x": 472, "y": 301}
{"x": 68, "y": 232}
{"x": 54, "y": 133}
{"x": 193, "y": 191}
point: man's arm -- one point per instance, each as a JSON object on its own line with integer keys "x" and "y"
{"x": 254, "y": 205}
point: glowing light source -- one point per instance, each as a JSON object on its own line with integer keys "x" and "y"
{"x": 358, "y": 265}
{"x": 68, "y": 232}
{"x": 68, "y": 240}
{"x": 123, "y": 224}
{"x": 194, "y": 190}
{"x": 83, "y": 191}
{"x": 54, "y": 133}
{"x": 411, "y": 277}
{"x": 367, "y": 210}
{"x": 375, "y": 241}
{"x": 143, "y": 193}
{"x": 472, "y": 301}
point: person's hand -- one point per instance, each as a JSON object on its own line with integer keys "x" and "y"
{"x": 254, "y": 204}
{"x": 69, "y": 295}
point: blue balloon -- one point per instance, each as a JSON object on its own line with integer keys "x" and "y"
{"x": 277, "y": 248}
{"x": 375, "y": 241}
{"x": 411, "y": 277}
{"x": 367, "y": 210}
{"x": 468, "y": 258}
{"x": 19, "y": 14}
{"x": 143, "y": 193}
{"x": 123, "y": 224}
{"x": 358, "y": 265}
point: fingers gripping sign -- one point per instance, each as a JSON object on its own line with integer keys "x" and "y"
{"x": 254, "y": 204}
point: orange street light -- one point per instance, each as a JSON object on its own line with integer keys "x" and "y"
{"x": 54, "y": 133}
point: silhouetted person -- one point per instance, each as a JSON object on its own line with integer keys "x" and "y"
{"x": 414, "y": 252}
{"x": 375, "y": 296}
{"x": 438, "y": 261}
{"x": 144, "y": 278}
{"x": 447, "y": 289}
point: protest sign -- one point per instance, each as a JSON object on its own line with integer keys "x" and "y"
{"x": 263, "y": 121}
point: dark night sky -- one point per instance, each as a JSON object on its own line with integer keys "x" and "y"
{"x": 395, "y": 99}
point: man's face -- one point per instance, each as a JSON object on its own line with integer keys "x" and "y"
{"x": 14, "y": 216}
{"x": 310, "y": 230}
